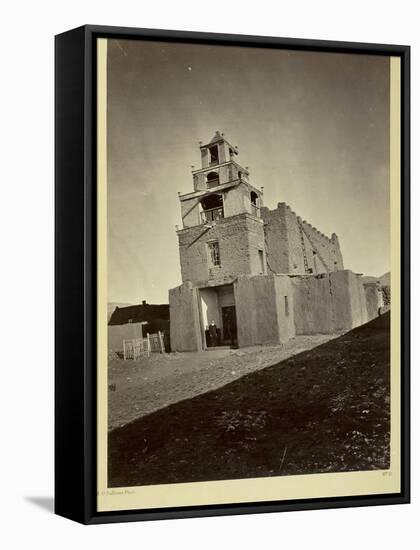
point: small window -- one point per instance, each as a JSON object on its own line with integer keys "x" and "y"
{"x": 214, "y": 154}
{"x": 261, "y": 259}
{"x": 286, "y": 305}
{"x": 214, "y": 253}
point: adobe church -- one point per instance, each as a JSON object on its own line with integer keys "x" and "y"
{"x": 253, "y": 275}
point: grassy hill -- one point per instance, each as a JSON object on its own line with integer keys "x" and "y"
{"x": 324, "y": 410}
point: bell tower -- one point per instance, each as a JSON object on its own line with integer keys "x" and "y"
{"x": 218, "y": 164}
{"x": 222, "y": 233}
{"x": 221, "y": 186}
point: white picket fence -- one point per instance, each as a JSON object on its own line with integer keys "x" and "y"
{"x": 136, "y": 347}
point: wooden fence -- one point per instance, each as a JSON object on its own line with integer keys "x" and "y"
{"x": 135, "y": 348}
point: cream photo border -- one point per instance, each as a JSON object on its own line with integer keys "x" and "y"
{"x": 281, "y": 488}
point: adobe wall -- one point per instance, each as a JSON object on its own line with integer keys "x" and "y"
{"x": 357, "y": 300}
{"x": 184, "y": 318}
{"x": 285, "y": 307}
{"x": 288, "y": 237}
{"x": 260, "y": 310}
{"x": 373, "y": 301}
{"x": 239, "y": 237}
{"x": 349, "y": 306}
{"x": 328, "y": 303}
{"x": 313, "y": 305}
{"x": 276, "y": 239}
{"x": 118, "y": 333}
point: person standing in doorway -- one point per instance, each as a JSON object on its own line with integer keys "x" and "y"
{"x": 213, "y": 334}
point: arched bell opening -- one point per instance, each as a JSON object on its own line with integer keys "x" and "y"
{"x": 212, "y": 179}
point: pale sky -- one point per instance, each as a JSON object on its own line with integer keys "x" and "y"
{"x": 312, "y": 127}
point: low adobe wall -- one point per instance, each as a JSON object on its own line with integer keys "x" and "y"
{"x": 313, "y": 305}
{"x": 328, "y": 303}
{"x": 264, "y": 309}
{"x": 118, "y": 333}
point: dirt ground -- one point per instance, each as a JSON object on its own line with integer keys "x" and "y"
{"x": 326, "y": 409}
{"x": 137, "y": 388}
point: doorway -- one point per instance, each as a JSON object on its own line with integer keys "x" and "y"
{"x": 230, "y": 332}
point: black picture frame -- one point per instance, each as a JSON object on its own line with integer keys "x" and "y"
{"x": 75, "y": 272}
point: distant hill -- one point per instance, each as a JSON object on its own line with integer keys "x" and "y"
{"x": 113, "y": 305}
{"x": 385, "y": 279}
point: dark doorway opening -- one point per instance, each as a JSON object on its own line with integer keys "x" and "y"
{"x": 230, "y": 331}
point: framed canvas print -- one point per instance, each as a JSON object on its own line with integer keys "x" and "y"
{"x": 232, "y": 274}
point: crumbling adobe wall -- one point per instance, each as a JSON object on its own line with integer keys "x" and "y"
{"x": 184, "y": 318}
{"x": 260, "y": 310}
{"x": 289, "y": 239}
{"x": 328, "y": 254}
{"x": 322, "y": 253}
{"x": 328, "y": 303}
{"x": 239, "y": 239}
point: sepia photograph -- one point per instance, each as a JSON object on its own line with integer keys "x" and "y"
{"x": 208, "y": 209}
{"x": 248, "y": 266}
